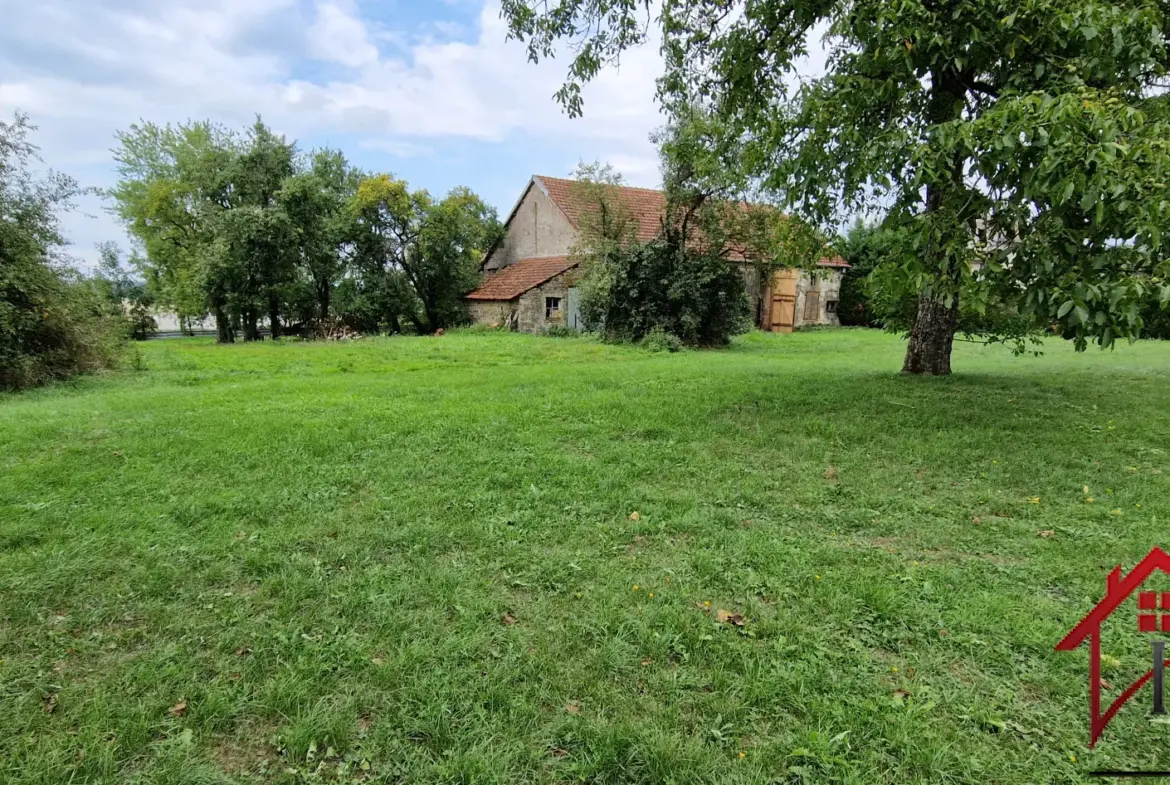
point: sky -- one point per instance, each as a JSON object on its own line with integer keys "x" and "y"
{"x": 429, "y": 90}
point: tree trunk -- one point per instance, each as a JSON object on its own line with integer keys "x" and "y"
{"x": 251, "y": 331}
{"x": 323, "y": 293}
{"x": 223, "y": 327}
{"x": 933, "y": 335}
{"x": 274, "y": 317}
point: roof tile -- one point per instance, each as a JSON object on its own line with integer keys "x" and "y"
{"x": 647, "y": 206}
{"x": 519, "y": 277}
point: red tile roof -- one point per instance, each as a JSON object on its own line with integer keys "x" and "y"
{"x": 518, "y": 277}
{"x": 647, "y": 207}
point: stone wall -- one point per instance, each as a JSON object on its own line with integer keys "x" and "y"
{"x": 538, "y": 228}
{"x": 532, "y": 306}
{"x": 490, "y": 312}
{"x": 826, "y": 286}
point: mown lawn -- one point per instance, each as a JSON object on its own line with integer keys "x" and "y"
{"x": 418, "y": 560}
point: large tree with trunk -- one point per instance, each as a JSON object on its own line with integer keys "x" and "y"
{"x": 1023, "y": 146}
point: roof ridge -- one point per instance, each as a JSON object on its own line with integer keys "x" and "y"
{"x": 623, "y": 186}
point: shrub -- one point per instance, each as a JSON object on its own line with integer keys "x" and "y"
{"x": 658, "y": 340}
{"x": 629, "y": 291}
{"x": 561, "y": 331}
{"x": 52, "y": 322}
{"x": 1155, "y": 319}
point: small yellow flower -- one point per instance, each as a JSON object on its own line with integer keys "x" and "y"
{"x": 1088, "y": 500}
{"x": 707, "y": 603}
{"x": 817, "y": 577}
{"x": 1072, "y": 757}
{"x": 742, "y": 754}
{"x": 651, "y": 595}
{"x": 894, "y": 668}
{"x": 635, "y": 587}
{"x": 915, "y": 564}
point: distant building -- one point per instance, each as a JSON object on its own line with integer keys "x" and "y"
{"x": 530, "y": 278}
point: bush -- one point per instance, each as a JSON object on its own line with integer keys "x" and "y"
{"x": 52, "y": 326}
{"x": 628, "y": 292}
{"x": 658, "y": 340}
{"x": 52, "y": 323}
{"x": 1155, "y": 319}
{"x": 561, "y": 331}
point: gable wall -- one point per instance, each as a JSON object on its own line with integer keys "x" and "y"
{"x": 538, "y": 228}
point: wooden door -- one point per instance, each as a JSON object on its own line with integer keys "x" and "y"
{"x": 812, "y": 306}
{"x": 782, "y": 311}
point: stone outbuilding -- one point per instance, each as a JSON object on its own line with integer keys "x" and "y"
{"x": 529, "y": 276}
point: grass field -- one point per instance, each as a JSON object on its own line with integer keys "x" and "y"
{"x": 418, "y": 560}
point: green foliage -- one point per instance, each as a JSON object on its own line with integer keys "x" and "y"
{"x": 1025, "y": 142}
{"x": 1155, "y": 320}
{"x": 127, "y": 296}
{"x": 659, "y": 340}
{"x": 416, "y": 258}
{"x": 865, "y": 247}
{"x": 630, "y": 291}
{"x": 53, "y": 324}
{"x": 561, "y": 331}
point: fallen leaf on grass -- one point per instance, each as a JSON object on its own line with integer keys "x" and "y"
{"x": 243, "y": 651}
{"x": 976, "y": 520}
{"x": 901, "y": 695}
{"x": 1046, "y": 534}
{"x": 379, "y": 661}
{"x": 49, "y": 703}
{"x": 723, "y": 616}
{"x": 508, "y": 619}
{"x": 557, "y": 752}
{"x": 830, "y": 473}
{"x": 634, "y": 516}
{"x": 646, "y": 662}
{"x": 178, "y": 710}
{"x": 573, "y": 707}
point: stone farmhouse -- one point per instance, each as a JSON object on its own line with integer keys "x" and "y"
{"x": 529, "y": 276}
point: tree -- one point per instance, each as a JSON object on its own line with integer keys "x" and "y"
{"x": 52, "y": 324}
{"x": 420, "y": 256}
{"x": 682, "y": 282}
{"x": 256, "y": 235}
{"x": 315, "y": 202}
{"x": 173, "y": 184}
{"x": 1025, "y": 142}
{"x": 128, "y": 297}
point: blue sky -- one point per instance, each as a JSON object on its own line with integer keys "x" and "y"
{"x": 429, "y": 90}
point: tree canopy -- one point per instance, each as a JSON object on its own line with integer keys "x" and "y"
{"x": 246, "y": 227}
{"x": 1023, "y": 146}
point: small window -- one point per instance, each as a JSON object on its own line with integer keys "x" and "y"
{"x": 831, "y": 306}
{"x": 552, "y": 307}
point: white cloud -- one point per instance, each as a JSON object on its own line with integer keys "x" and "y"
{"x": 86, "y": 70}
{"x": 338, "y": 36}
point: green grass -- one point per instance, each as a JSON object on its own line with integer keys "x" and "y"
{"x": 415, "y": 560}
